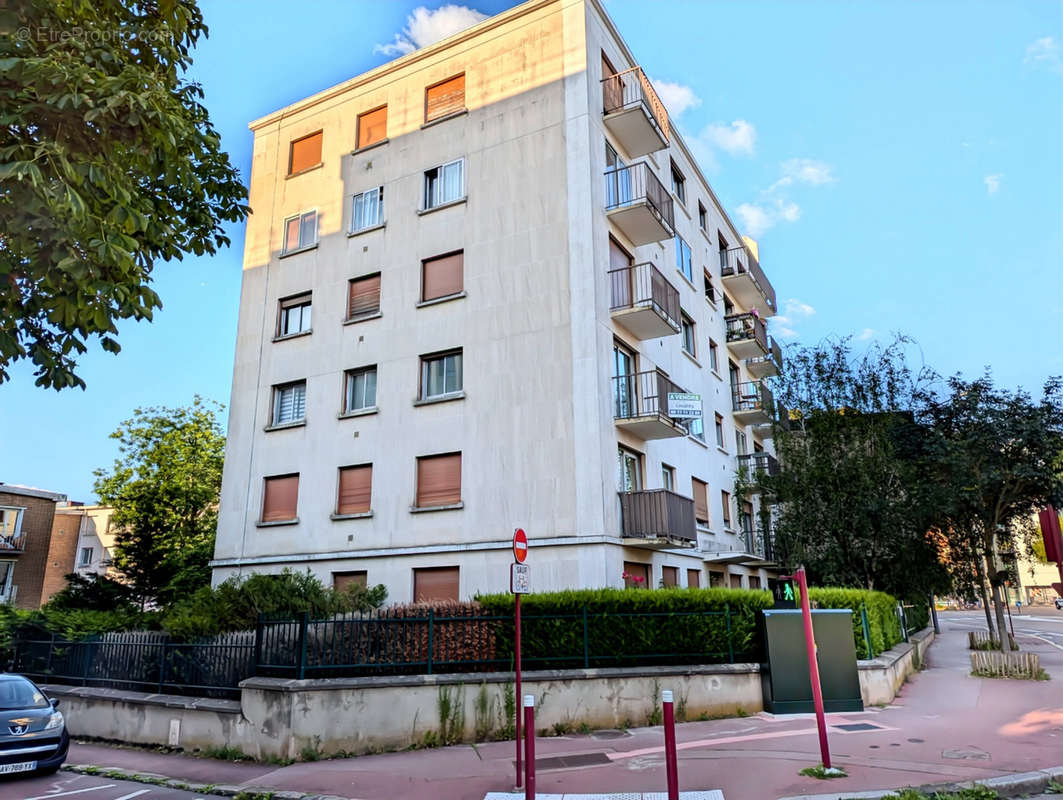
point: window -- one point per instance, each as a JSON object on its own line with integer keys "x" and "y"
{"x": 289, "y": 403}
{"x": 372, "y": 127}
{"x": 444, "y": 184}
{"x": 359, "y": 391}
{"x": 629, "y": 471}
{"x": 710, "y": 290}
{"x": 636, "y": 575}
{"x": 435, "y": 583}
{"x": 669, "y": 576}
{"x": 688, "y": 335}
{"x": 700, "y": 490}
{"x": 444, "y": 98}
{"x": 703, "y": 216}
{"x": 442, "y": 276}
{"x": 736, "y": 581}
{"x": 300, "y": 231}
{"x": 696, "y": 428}
{"x": 740, "y": 442}
{"x": 304, "y": 153}
{"x": 719, "y": 430}
{"x": 667, "y": 477}
{"x": 625, "y": 400}
{"x": 745, "y": 521}
{"x": 86, "y": 556}
{"x": 280, "y": 498}
{"x": 721, "y": 243}
{"x": 363, "y": 296}
{"x": 725, "y": 498}
{"x": 294, "y": 316}
{"x": 344, "y": 581}
{"x": 754, "y": 581}
{"x": 441, "y": 375}
{"x": 9, "y": 525}
{"x": 683, "y": 259}
{"x": 715, "y": 578}
{"x": 355, "y": 490}
{"x": 694, "y": 578}
{"x": 714, "y": 356}
{"x": 438, "y": 480}
{"x": 679, "y": 184}
{"x": 7, "y": 570}
{"x": 367, "y": 210}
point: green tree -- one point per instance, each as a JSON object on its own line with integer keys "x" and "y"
{"x": 109, "y": 163}
{"x": 852, "y": 500}
{"x": 164, "y": 487}
{"x": 1001, "y": 461}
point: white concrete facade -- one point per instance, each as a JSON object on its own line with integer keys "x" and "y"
{"x": 535, "y": 418}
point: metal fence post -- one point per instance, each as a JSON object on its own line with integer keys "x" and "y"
{"x": 431, "y": 624}
{"x": 903, "y": 621}
{"x": 730, "y": 643}
{"x": 586, "y": 643}
{"x": 85, "y": 653}
{"x": 48, "y": 664}
{"x": 259, "y": 630}
{"x": 162, "y": 666}
{"x": 867, "y": 631}
{"x": 304, "y": 621}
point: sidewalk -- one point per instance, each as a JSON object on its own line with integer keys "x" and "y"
{"x": 943, "y": 726}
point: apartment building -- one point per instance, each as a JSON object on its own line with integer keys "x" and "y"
{"x": 486, "y": 286}
{"x": 95, "y": 537}
{"x": 35, "y": 554}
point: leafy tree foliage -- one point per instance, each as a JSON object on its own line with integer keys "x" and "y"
{"x": 109, "y": 164}
{"x": 93, "y": 593}
{"x": 164, "y": 487}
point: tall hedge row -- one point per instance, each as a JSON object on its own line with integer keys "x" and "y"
{"x": 884, "y": 625}
{"x": 624, "y": 627}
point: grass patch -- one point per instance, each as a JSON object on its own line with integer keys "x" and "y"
{"x": 225, "y": 754}
{"x": 822, "y": 773}
{"x": 974, "y": 793}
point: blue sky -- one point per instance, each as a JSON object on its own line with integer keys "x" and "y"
{"x": 900, "y": 163}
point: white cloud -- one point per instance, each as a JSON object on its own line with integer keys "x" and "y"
{"x": 1044, "y": 51}
{"x": 794, "y": 312}
{"x": 992, "y": 183}
{"x": 760, "y": 217}
{"x": 805, "y": 170}
{"x": 738, "y": 138}
{"x": 676, "y": 97}
{"x": 425, "y": 27}
{"x": 774, "y": 205}
{"x": 866, "y": 334}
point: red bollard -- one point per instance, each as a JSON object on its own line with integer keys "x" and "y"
{"x": 529, "y": 747}
{"x": 671, "y": 763}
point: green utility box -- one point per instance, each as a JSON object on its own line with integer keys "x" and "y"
{"x": 784, "y": 674}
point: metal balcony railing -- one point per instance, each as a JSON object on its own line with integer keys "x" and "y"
{"x": 741, "y": 327}
{"x": 636, "y": 183}
{"x": 644, "y": 285}
{"x": 643, "y": 394}
{"x": 752, "y": 396}
{"x": 12, "y": 542}
{"x": 758, "y": 462}
{"x": 658, "y": 514}
{"x": 629, "y": 88}
{"x": 741, "y": 261}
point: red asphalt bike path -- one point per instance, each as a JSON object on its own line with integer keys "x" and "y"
{"x": 944, "y": 725}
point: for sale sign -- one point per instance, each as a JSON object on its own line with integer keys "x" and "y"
{"x": 684, "y": 405}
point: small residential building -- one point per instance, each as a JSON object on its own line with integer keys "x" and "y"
{"x": 95, "y": 545}
{"x": 35, "y": 554}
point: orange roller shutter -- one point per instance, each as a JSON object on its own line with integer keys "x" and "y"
{"x": 342, "y": 581}
{"x": 306, "y": 153}
{"x": 355, "y": 490}
{"x": 444, "y": 98}
{"x": 701, "y": 500}
{"x": 364, "y": 296}
{"x": 281, "y": 498}
{"x": 439, "y": 480}
{"x": 670, "y": 576}
{"x": 443, "y": 276}
{"x": 435, "y": 583}
{"x": 372, "y": 127}
{"x": 693, "y": 578}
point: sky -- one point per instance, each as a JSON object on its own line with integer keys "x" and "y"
{"x": 898, "y": 162}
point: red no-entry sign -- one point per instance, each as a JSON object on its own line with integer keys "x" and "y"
{"x": 520, "y": 545}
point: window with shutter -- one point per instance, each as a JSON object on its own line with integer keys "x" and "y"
{"x": 442, "y": 276}
{"x": 280, "y": 498}
{"x": 636, "y": 575}
{"x": 367, "y": 210}
{"x": 305, "y": 153}
{"x": 435, "y": 583}
{"x": 289, "y": 403}
{"x": 693, "y": 578}
{"x": 446, "y": 97}
{"x": 342, "y": 581}
{"x": 670, "y": 576}
{"x": 355, "y": 489}
{"x": 438, "y": 480}
{"x": 700, "y": 490}
{"x": 372, "y": 127}
{"x": 363, "y": 296}
{"x": 725, "y": 498}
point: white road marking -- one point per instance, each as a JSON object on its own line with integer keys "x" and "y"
{"x": 74, "y": 791}
{"x": 133, "y": 794}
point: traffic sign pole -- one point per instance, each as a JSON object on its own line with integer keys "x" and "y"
{"x": 520, "y": 552}
{"x": 518, "y": 709}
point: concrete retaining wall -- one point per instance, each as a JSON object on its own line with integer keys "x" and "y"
{"x": 282, "y": 718}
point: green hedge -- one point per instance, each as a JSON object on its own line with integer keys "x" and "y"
{"x": 881, "y": 615}
{"x": 631, "y": 627}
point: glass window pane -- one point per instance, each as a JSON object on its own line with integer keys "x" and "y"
{"x": 308, "y": 229}
{"x": 434, "y": 382}
{"x": 370, "y": 389}
{"x": 291, "y": 234}
{"x": 452, "y": 178}
{"x": 452, "y": 373}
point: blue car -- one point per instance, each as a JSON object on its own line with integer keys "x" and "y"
{"x": 33, "y": 735}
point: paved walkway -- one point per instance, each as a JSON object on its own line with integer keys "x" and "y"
{"x": 943, "y": 726}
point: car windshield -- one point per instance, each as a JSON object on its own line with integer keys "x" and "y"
{"x": 18, "y": 693}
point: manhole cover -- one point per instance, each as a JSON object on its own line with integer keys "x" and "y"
{"x": 858, "y": 726}
{"x": 609, "y": 734}
{"x": 571, "y": 762}
{"x": 969, "y": 754}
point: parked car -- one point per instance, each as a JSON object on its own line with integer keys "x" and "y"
{"x": 1059, "y": 603}
{"x": 33, "y": 735}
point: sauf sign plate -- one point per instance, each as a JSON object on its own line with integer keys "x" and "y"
{"x": 684, "y": 405}
{"x": 520, "y": 579}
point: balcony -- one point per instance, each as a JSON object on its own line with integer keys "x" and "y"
{"x": 767, "y": 365}
{"x": 753, "y": 463}
{"x": 752, "y": 403}
{"x": 746, "y": 281}
{"x": 747, "y": 336}
{"x": 748, "y": 547}
{"x": 638, "y": 204}
{"x": 781, "y": 420}
{"x": 640, "y": 406}
{"x": 634, "y": 114}
{"x": 11, "y": 542}
{"x": 658, "y": 518}
{"x": 644, "y": 302}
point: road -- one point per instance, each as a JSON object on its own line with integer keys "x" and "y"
{"x": 65, "y": 785}
{"x": 1043, "y": 621}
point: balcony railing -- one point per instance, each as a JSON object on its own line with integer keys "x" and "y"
{"x": 644, "y": 301}
{"x": 753, "y": 463}
{"x": 747, "y": 329}
{"x": 658, "y": 514}
{"x": 640, "y": 404}
{"x": 648, "y": 128}
{"x": 12, "y": 542}
{"x": 768, "y": 364}
{"x": 640, "y": 204}
{"x": 752, "y": 401}
{"x": 740, "y": 267}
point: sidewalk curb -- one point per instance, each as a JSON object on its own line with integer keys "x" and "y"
{"x": 220, "y": 790}
{"x": 1021, "y": 783}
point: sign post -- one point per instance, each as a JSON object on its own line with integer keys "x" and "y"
{"x": 813, "y": 665}
{"x": 519, "y": 583}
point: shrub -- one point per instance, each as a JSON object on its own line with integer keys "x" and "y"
{"x": 882, "y": 619}
{"x": 94, "y": 593}
{"x": 627, "y": 628}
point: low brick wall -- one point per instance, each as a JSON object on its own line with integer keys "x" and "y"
{"x": 881, "y": 678}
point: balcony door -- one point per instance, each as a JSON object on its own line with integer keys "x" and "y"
{"x": 624, "y": 400}
{"x": 622, "y": 282}
{"x": 617, "y": 179}
{"x": 612, "y": 89}
{"x": 629, "y": 471}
